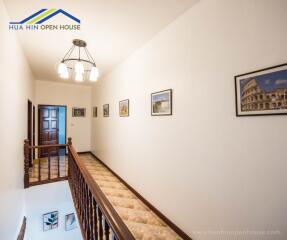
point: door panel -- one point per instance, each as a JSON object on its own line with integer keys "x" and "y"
{"x": 48, "y": 128}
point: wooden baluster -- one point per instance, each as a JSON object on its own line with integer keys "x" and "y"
{"x": 91, "y": 219}
{"x": 107, "y": 230}
{"x": 85, "y": 206}
{"x": 67, "y": 171}
{"x": 69, "y": 155}
{"x": 49, "y": 164}
{"x": 39, "y": 169}
{"x": 88, "y": 213}
{"x": 26, "y": 163}
{"x": 85, "y": 210}
{"x": 77, "y": 185}
{"x": 58, "y": 161}
{"x": 73, "y": 175}
{"x": 95, "y": 217}
{"x": 100, "y": 224}
{"x": 79, "y": 190}
{"x": 80, "y": 198}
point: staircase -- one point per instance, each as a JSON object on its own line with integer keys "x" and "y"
{"x": 107, "y": 207}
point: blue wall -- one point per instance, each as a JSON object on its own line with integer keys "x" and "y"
{"x": 62, "y": 125}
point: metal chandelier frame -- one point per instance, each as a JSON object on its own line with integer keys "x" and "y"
{"x": 80, "y": 44}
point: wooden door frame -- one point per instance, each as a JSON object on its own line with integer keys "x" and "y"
{"x": 50, "y": 105}
{"x": 34, "y": 126}
{"x": 30, "y": 128}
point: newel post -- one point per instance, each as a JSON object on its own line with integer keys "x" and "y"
{"x": 69, "y": 156}
{"x": 26, "y": 162}
{"x": 69, "y": 141}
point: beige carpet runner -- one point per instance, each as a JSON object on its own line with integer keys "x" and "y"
{"x": 141, "y": 221}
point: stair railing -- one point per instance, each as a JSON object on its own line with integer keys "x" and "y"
{"x": 50, "y": 166}
{"x": 98, "y": 218}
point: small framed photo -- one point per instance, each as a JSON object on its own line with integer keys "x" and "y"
{"x": 106, "y": 110}
{"x": 124, "y": 108}
{"x": 50, "y": 221}
{"x": 78, "y": 112}
{"x": 70, "y": 222}
{"x": 95, "y": 112}
{"x": 161, "y": 103}
{"x": 262, "y": 92}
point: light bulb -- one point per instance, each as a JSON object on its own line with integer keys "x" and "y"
{"x": 94, "y": 74}
{"x": 65, "y": 75}
{"x": 79, "y": 77}
{"x": 79, "y": 67}
{"x": 62, "y": 68}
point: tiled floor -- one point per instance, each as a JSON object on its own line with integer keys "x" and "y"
{"x": 58, "y": 168}
{"x": 140, "y": 220}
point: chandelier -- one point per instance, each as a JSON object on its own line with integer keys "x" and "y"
{"x": 78, "y": 63}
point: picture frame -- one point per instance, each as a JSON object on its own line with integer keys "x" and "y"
{"x": 78, "y": 112}
{"x": 70, "y": 222}
{"x": 50, "y": 220}
{"x": 161, "y": 103}
{"x": 262, "y": 92}
{"x": 106, "y": 110}
{"x": 95, "y": 112}
{"x": 124, "y": 108}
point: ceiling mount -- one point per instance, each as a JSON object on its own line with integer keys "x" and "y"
{"x": 79, "y": 43}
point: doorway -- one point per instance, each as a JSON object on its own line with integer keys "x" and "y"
{"x": 52, "y": 126}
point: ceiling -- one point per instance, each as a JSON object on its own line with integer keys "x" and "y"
{"x": 113, "y": 29}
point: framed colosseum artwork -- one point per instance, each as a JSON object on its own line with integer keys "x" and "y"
{"x": 262, "y": 92}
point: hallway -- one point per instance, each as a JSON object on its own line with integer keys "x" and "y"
{"x": 172, "y": 115}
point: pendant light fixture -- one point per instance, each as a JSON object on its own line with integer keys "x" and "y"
{"x": 78, "y": 63}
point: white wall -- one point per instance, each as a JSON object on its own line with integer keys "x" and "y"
{"x": 16, "y": 87}
{"x": 71, "y": 95}
{"x": 203, "y": 167}
{"x": 47, "y": 198}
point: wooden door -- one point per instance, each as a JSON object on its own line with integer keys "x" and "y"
{"x": 48, "y": 128}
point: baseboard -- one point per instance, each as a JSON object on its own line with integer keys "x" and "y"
{"x": 153, "y": 208}
{"x": 22, "y": 230}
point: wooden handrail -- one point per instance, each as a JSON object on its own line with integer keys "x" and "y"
{"x": 49, "y": 146}
{"x": 111, "y": 217}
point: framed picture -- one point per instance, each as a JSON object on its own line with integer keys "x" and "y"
{"x": 50, "y": 220}
{"x": 70, "y": 222}
{"x": 262, "y": 92}
{"x": 161, "y": 103}
{"x": 124, "y": 108}
{"x": 106, "y": 110}
{"x": 95, "y": 112}
{"x": 79, "y": 112}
